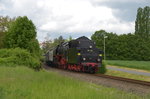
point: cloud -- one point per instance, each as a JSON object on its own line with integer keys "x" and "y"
{"x": 123, "y": 9}
{"x": 2, "y": 7}
{"x": 74, "y": 17}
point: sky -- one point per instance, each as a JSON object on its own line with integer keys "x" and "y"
{"x": 75, "y": 18}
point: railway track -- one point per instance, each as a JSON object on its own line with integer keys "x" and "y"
{"x": 129, "y": 85}
{"x": 145, "y": 83}
{"x": 140, "y": 82}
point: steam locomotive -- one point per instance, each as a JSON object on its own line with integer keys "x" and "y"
{"x": 80, "y": 54}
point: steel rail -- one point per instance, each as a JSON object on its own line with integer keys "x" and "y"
{"x": 124, "y": 79}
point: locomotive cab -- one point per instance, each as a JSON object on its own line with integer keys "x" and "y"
{"x": 84, "y": 52}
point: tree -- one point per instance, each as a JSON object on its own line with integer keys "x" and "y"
{"x": 22, "y": 33}
{"x": 98, "y": 38}
{"x": 146, "y": 21}
{"x": 4, "y": 24}
{"x": 142, "y": 23}
{"x": 49, "y": 44}
{"x": 138, "y": 22}
{"x": 1, "y": 39}
{"x": 59, "y": 40}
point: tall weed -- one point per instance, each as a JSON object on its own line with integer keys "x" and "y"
{"x": 18, "y": 56}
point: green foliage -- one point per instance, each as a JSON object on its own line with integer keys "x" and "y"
{"x": 2, "y": 34}
{"x": 22, "y": 34}
{"x": 98, "y": 37}
{"x": 4, "y": 24}
{"x": 102, "y": 69}
{"x": 34, "y": 48}
{"x": 123, "y": 47}
{"x": 24, "y": 83}
{"x": 17, "y": 56}
{"x": 142, "y": 23}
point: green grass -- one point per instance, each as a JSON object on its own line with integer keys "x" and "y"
{"x": 17, "y": 57}
{"x": 144, "y": 65}
{"x": 24, "y": 83}
{"x": 127, "y": 75}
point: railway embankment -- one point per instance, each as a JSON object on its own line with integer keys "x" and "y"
{"x": 123, "y": 85}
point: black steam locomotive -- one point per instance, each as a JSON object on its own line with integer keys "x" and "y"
{"x": 80, "y": 54}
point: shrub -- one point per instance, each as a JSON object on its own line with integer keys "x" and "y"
{"x": 102, "y": 69}
{"x": 17, "y": 57}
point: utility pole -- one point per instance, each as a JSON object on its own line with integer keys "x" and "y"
{"x": 104, "y": 47}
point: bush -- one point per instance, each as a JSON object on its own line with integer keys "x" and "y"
{"x": 17, "y": 57}
{"x": 102, "y": 69}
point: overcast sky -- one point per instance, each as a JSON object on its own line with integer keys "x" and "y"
{"x": 75, "y": 17}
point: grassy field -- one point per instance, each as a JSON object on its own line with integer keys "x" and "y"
{"x": 127, "y": 75}
{"x": 25, "y": 83}
{"x": 145, "y": 65}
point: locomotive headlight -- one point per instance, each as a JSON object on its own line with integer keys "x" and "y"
{"x": 78, "y": 54}
{"x": 100, "y": 54}
{"x": 98, "y": 60}
{"x": 84, "y": 59}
